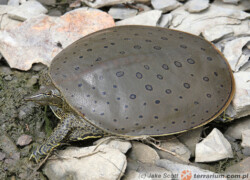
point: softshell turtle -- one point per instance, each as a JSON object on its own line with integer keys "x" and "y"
{"x": 135, "y": 81}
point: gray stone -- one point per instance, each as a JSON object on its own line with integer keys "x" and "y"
{"x": 213, "y": 148}
{"x": 122, "y": 12}
{"x": 6, "y": 22}
{"x": 8, "y": 78}
{"x": 246, "y": 142}
{"x": 233, "y": 52}
{"x": 102, "y": 3}
{"x": 27, "y": 10}
{"x": 13, "y": 2}
{"x": 143, "y": 8}
{"x": 32, "y": 81}
{"x": 4, "y": 2}
{"x": 149, "y": 18}
{"x": 237, "y": 127}
{"x": 195, "y": 6}
{"x": 24, "y": 140}
{"x": 165, "y": 20}
{"x": 7, "y": 145}
{"x": 143, "y": 153}
{"x": 2, "y": 156}
{"x": 87, "y": 163}
{"x": 174, "y": 145}
{"x": 38, "y": 67}
{"x": 231, "y": 1}
{"x": 48, "y": 2}
{"x": 26, "y": 110}
{"x": 240, "y": 105}
{"x": 191, "y": 138}
{"x": 217, "y": 32}
{"x": 180, "y": 170}
{"x": 119, "y": 144}
{"x": 244, "y": 5}
{"x": 165, "y": 6}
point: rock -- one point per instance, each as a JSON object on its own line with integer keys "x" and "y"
{"x": 4, "y": 2}
{"x": 8, "y": 78}
{"x": 240, "y": 106}
{"x": 13, "y": 2}
{"x": 143, "y": 8}
{"x": 149, "y": 18}
{"x": 24, "y": 140}
{"x": 8, "y": 146}
{"x": 54, "y": 12}
{"x": 122, "y": 12}
{"x": 244, "y": 5}
{"x": 36, "y": 40}
{"x": 87, "y": 163}
{"x": 217, "y": 32}
{"x": 6, "y": 22}
{"x": 241, "y": 167}
{"x": 26, "y": 110}
{"x": 231, "y": 1}
{"x": 236, "y": 128}
{"x": 174, "y": 145}
{"x": 32, "y": 81}
{"x": 48, "y": 2}
{"x": 165, "y": 20}
{"x": 213, "y": 148}
{"x": 191, "y": 138}
{"x": 185, "y": 172}
{"x": 195, "y": 6}
{"x": 2, "y": 156}
{"x": 119, "y": 144}
{"x": 214, "y": 16}
{"x": 143, "y": 153}
{"x": 27, "y": 10}
{"x": 143, "y": 1}
{"x": 246, "y": 142}
{"x": 233, "y": 52}
{"x": 102, "y": 3}
{"x": 165, "y": 6}
{"x": 38, "y": 67}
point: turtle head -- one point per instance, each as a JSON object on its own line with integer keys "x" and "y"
{"x": 47, "y": 95}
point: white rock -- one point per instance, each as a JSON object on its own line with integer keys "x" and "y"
{"x": 164, "y": 5}
{"x": 85, "y": 163}
{"x": 165, "y": 20}
{"x": 149, "y": 18}
{"x": 213, "y": 148}
{"x": 6, "y": 22}
{"x": 231, "y": 1}
{"x": 27, "y": 10}
{"x": 143, "y": 153}
{"x": 235, "y": 129}
{"x": 195, "y": 6}
{"x": 233, "y": 52}
{"x": 180, "y": 170}
{"x": 217, "y": 32}
{"x": 122, "y": 12}
{"x": 143, "y": 8}
{"x": 244, "y": 5}
{"x": 13, "y": 2}
{"x": 246, "y": 142}
{"x": 240, "y": 105}
{"x": 102, "y": 3}
{"x": 214, "y": 16}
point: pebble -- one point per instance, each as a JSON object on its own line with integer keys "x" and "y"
{"x": 27, "y": 10}
{"x": 13, "y": 2}
{"x": 7, "y": 145}
{"x": 122, "y": 12}
{"x": 217, "y": 32}
{"x": 8, "y": 78}
{"x": 165, "y": 6}
{"x": 240, "y": 105}
{"x": 246, "y": 142}
{"x": 143, "y": 153}
{"x": 143, "y": 7}
{"x": 165, "y": 20}
{"x": 149, "y": 18}
{"x": 185, "y": 172}
{"x": 87, "y": 163}
{"x": 32, "y": 81}
{"x": 38, "y": 67}
{"x": 231, "y": 1}
{"x": 103, "y": 3}
{"x": 195, "y": 6}
{"x": 26, "y": 110}
{"x": 2, "y": 156}
{"x": 48, "y": 2}
{"x": 213, "y": 148}
{"x": 24, "y": 140}
{"x": 237, "y": 127}
{"x": 191, "y": 138}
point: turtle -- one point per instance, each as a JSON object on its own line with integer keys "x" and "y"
{"x": 134, "y": 81}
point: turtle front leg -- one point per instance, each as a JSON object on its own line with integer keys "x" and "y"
{"x": 55, "y": 138}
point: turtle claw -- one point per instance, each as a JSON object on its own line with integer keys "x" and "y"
{"x": 36, "y": 156}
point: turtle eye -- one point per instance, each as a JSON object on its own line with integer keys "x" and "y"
{"x": 49, "y": 93}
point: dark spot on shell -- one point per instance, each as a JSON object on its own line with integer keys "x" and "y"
{"x": 100, "y": 77}
{"x": 136, "y": 124}
{"x": 105, "y": 47}
{"x": 209, "y": 95}
{"x": 156, "y": 117}
{"x": 102, "y": 114}
{"x": 98, "y": 59}
{"x": 119, "y": 73}
{"x": 141, "y": 116}
{"x": 89, "y": 50}
{"x": 80, "y": 85}
{"x": 215, "y": 73}
{"x": 221, "y": 85}
{"x": 144, "y": 104}
{"x": 93, "y": 87}
{"x": 123, "y": 129}
{"x": 132, "y": 96}
{"x": 114, "y": 86}
{"x": 196, "y": 102}
{"x": 203, "y": 49}
{"x": 103, "y": 38}
{"x": 164, "y": 127}
{"x": 147, "y": 40}
{"x": 72, "y": 95}
{"x": 118, "y": 98}
{"x": 184, "y": 121}
{"x": 173, "y": 122}
{"x": 206, "y": 78}
{"x": 107, "y": 102}
{"x": 126, "y": 106}
{"x": 151, "y": 126}
{"x": 127, "y": 39}
{"x": 164, "y": 38}
{"x": 164, "y": 66}
{"x": 137, "y": 47}
{"x": 136, "y": 34}
{"x": 146, "y": 67}
{"x": 183, "y": 46}
{"x": 178, "y": 64}
{"x": 74, "y": 52}
{"x": 168, "y": 91}
{"x": 190, "y": 61}
{"x": 150, "y": 33}
{"x": 144, "y": 127}
{"x": 176, "y": 109}
{"x": 77, "y": 68}
{"x": 209, "y": 59}
{"x": 122, "y": 52}
{"x": 88, "y": 95}
{"x": 157, "y": 102}
{"x": 180, "y": 97}
{"x": 64, "y": 61}
{"x": 148, "y": 87}
{"x": 104, "y": 93}
{"x": 159, "y": 76}
{"x": 139, "y": 75}
{"x": 115, "y": 120}
{"x": 80, "y": 57}
{"x": 180, "y": 37}
{"x": 95, "y": 102}
{"x": 191, "y": 74}
{"x": 186, "y": 85}
{"x": 207, "y": 111}
{"x": 112, "y": 43}
{"x": 157, "y": 47}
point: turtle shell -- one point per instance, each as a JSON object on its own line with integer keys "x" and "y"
{"x": 142, "y": 80}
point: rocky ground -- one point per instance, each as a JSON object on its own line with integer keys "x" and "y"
{"x": 33, "y": 32}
